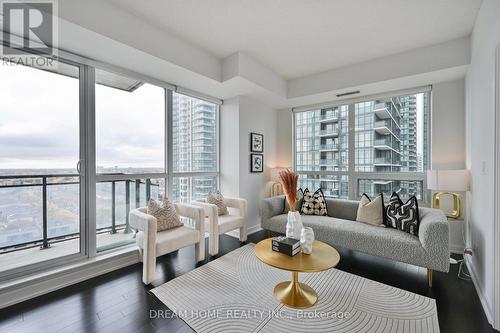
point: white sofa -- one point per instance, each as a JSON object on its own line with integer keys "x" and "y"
{"x": 218, "y": 225}
{"x": 153, "y": 244}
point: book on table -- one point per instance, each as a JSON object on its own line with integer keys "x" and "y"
{"x": 286, "y": 245}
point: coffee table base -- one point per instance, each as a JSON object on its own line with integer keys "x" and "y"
{"x": 295, "y": 294}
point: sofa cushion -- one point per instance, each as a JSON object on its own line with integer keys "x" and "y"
{"x": 314, "y": 204}
{"x": 403, "y": 216}
{"x": 342, "y": 209}
{"x": 371, "y": 212}
{"x": 216, "y": 198}
{"x": 384, "y": 242}
{"x": 165, "y": 214}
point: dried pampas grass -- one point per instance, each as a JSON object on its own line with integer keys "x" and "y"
{"x": 289, "y": 181}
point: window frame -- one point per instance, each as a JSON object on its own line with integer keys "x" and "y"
{"x": 356, "y": 176}
{"x": 88, "y": 173}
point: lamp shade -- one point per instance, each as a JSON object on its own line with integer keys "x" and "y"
{"x": 448, "y": 180}
{"x": 275, "y": 173}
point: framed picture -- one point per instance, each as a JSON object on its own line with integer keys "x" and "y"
{"x": 256, "y": 163}
{"x": 256, "y": 143}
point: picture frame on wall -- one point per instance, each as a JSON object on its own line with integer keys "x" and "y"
{"x": 256, "y": 163}
{"x": 256, "y": 143}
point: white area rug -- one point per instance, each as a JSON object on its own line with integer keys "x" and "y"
{"x": 235, "y": 294}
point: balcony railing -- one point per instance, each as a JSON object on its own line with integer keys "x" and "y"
{"x": 328, "y": 161}
{"x": 329, "y": 116}
{"x": 44, "y": 181}
{"x": 329, "y": 131}
{"x": 329, "y": 146}
{"x": 386, "y": 161}
{"x": 393, "y": 144}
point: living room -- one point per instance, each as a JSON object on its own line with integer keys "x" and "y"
{"x": 158, "y": 157}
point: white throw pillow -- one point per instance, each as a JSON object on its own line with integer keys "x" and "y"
{"x": 165, "y": 214}
{"x": 371, "y": 212}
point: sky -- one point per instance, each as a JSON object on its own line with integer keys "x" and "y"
{"x": 39, "y": 122}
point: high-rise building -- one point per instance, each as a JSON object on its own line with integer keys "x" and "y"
{"x": 322, "y": 145}
{"x": 385, "y": 141}
{"x": 194, "y": 146}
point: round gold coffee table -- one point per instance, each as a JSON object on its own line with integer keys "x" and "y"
{"x": 294, "y": 293}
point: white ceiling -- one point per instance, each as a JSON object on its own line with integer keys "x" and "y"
{"x": 296, "y": 38}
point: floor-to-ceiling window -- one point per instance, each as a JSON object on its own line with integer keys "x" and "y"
{"x": 130, "y": 153}
{"x": 386, "y": 149}
{"x": 194, "y": 147}
{"x": 39, "y": 155}
{"x": 80, "y": 146}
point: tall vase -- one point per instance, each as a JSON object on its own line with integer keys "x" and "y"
{"x": 306, "y": 240}
{"x": 293, "y": 225}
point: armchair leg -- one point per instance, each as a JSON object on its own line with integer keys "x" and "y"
{"x": 213, "y": 244}
{"x": 199, "y": 250}
{"x": 243, "y": 234}
{"x": 148, "y": 268}
{"x": 429, "y": 277}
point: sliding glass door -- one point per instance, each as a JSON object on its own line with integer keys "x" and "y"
{"x": 130, "y": 153}
{"x": 40, "y": 184}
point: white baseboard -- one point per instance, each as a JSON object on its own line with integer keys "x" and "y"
{"x": 479, "y": 290}
{"x": 236, "y": 233}
{"x": 46, "y": 282}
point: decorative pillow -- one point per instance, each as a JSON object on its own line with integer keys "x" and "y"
{"x": 402, "y": 216}
{"x": 298, "y": 204}
{"x": 165, "y": 214}
{"x": 216, "y": 198}
{"x": 371, "y": 212}
{"x": 314, "y": 204}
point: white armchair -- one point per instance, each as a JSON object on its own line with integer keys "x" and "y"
{"x": 218, "y": 225}
{"x": 153, "y": 244}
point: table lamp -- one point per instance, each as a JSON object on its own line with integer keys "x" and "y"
{"x": 448, "y": 182}
{"x": 276, "y": 187}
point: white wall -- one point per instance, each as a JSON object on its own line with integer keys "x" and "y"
{"x": 448, "y": 125}
{"x": 480, "y": 106}
{"x": 448, "y": 143}
{"x": 239, "y": 117}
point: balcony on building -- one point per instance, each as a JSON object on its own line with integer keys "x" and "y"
{"x": 328, "y": 162}
{"x": 387, "y": 144}
{"x": 48, "y": 227}
{"x": 329, "y": 116}
{"x": 386, "y": 161}
{"x": 329, "y": 132}
{"x": 329, "y": 147}
{"x": 387, "y": 110}
{"x": 387, "y": 127}
{"x": 331, "y": 192}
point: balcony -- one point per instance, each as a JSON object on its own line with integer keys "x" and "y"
{"x": 329, "y": 117}
{"x": 44, "y": 223}
{"x": 328, "y": 162}
{"x": 386, "y": 110}
{"x": 334, "y": 131}
{"x": 333, "y": 192}
{"x": 387, "y": 127}
{"x": 386, "y": 161}
{"x": 387, "y": 144}
{"x": 329, "y": 147}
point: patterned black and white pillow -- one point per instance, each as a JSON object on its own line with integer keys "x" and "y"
{"x": 314, "y": 204}
{"x": 402, "y": 216}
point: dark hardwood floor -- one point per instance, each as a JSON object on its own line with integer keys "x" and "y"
{"x": 118, "y": 301}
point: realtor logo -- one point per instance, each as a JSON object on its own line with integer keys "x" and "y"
{"x": 28, "y": 27}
